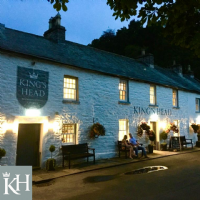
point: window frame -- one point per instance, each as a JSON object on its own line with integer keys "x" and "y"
{"x": 121, "y": 81}
{"x": 196, "y": 104}
{"x": 126, "y": 130}
{"x": 76, "y": 88}
{"x": 176, "y": 99}
{"x": 74, "y": 134}
{"x": 154, "y": 96}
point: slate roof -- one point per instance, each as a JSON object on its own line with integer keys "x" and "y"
{"x": 92, "y": 59}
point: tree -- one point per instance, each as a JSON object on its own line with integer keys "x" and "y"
{"x": 130, "y": 41}
{"x": 181, "y": 18}
{"x": 58, "y": 4}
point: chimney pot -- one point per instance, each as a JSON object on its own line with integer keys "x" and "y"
{"x": 56, "y": 32}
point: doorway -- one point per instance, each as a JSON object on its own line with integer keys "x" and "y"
{"x": 153, "y": 127}
{"x": 28, "y": 145}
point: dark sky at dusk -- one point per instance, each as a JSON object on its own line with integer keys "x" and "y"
{"x": 84, "y": 21}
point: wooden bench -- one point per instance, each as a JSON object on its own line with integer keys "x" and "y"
{"x": 71, "y": 152}
{"x": 123, "y": 149}
{"x": 185, "y": 141}
{"x": 176, "y": 140}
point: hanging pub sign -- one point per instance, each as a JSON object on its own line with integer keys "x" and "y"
{"x": 32, "y": 87}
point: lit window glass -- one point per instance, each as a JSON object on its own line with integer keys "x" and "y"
{"x": 123, "y": 128}
{"x": 152, "y": 95}
{"x": 175, "y": 98}
{"x": 70, "y": 88}
{"x": 197, "y": 105}
{"x": 123, "y": 90}
{"x": 68, "y": 132}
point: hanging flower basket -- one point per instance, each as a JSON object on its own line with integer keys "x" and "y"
{"x": 96, "y": 130}
{"x": 195, "y": 127}
{"x": 173, "y": 127}
{"x": 143, "y": 128}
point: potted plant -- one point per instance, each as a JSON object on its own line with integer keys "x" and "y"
{"x": 163, "y": 136}
{"x": 96, "y": 130}
{"x": 2, "y": 152}
{"x": 152, "y": 137}
{"x": 51, "y": 162}
{"x": 195, "y": 127}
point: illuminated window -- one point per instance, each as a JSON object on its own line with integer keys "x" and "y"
{"x": 70, "y": 88}
{"x": 123, "y": 90}
{"x": 197, "y": 105}
{"x": 123, "y": 128}
{"x": 69, "y": 133}
{"x": 152, "y": 94}
{"x": 175, "y": 98}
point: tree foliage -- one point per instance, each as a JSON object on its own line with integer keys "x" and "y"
{"x": 130, "y": 41}
{"x": 59, "y": 4}
{"x": 180, "y": 18}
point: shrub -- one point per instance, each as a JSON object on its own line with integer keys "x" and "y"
{"x": 2, "y": 152}
{"x": 152, "y": 135}
{"x": 163, "y": 135}
{"x": 52, "y": 149}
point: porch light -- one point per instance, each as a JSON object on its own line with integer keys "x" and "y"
{"x": 32, "y": 112}
{"x": 163, "y": 125}
{"x": 198, "y": 120}
{"x": 154, "y": 117}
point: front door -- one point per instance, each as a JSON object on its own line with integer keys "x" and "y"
{"x": 153, "y": 127}
{"x": 28, "y": 145}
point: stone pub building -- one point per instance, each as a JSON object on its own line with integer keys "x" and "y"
{"x": 52, "y": 90}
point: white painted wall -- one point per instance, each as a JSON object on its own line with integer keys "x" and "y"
{"x": 96, "y": 92}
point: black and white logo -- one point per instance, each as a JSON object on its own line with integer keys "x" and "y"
{"x": 16, "y": 182}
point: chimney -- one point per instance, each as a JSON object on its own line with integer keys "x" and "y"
{"x": 146, "y": 58}
{"x": 177, "y": 68}
{"x": 2, "y": 26}
{"x": 190, "y": 72}
{"x": 56, "y": 32}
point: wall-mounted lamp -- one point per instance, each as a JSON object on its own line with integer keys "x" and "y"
{"x": 154, "y": 117}
{"x": 32, "y": 112}
{"x": 198, "y": 120}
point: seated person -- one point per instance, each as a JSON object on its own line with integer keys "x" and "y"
{"x": 125, "y": 143}
{"x": 136, "y": 145}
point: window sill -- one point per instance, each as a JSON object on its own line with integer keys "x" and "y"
{"x": 174, "y": 107}
{"x": 153, "y": 105}
{"x": 70, "y": 101}
{"x": 124, "y": 102}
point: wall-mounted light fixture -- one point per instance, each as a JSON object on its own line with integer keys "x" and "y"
{"x": 198, "y": 120}
{"x": 32, "y": 112}
{"x": 154, "y": 117}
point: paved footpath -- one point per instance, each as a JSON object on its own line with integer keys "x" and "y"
{"x": 42, "y": 175}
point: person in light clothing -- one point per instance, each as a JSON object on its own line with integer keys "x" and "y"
{"x": 137, "y": 146}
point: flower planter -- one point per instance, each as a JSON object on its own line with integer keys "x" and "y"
{"x": 150, "y": 148}
{"x": 163, "y": 147}
{"x": 198, "y": 142}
